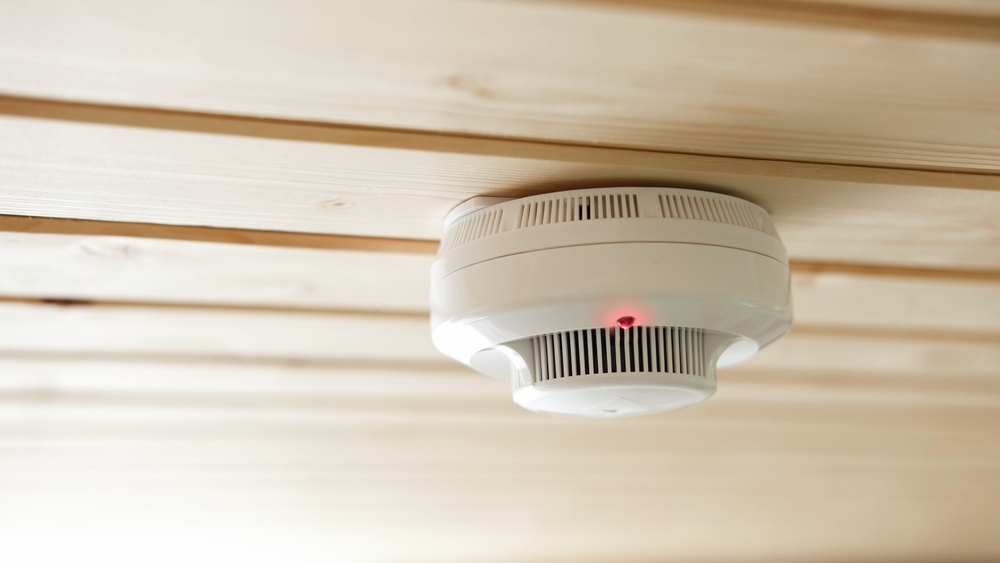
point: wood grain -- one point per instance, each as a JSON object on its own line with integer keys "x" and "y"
{"x": 389, "y": 184}
{"x": 583, "y": 73}
{"x": 202, "y": 462}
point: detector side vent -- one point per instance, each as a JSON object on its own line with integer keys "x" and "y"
{"x": 682, "y": 206}
{"x": 476, "y": 226}
{"x": 603, "y": 351}
{"x": 578, "y": 208}
{"x": 653, "y": 203}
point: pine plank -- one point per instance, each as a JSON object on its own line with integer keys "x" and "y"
{"x": 141, "y": 270}
{"x": 124, "y": 460}
{"x": 857, "y": 351}
{"x": 185, "y": 334}
{"x": 315, "y": 179}
{"x": 896, "y": 301}
{"x": 861, "y": 92}
{"x": 157, "y": 271}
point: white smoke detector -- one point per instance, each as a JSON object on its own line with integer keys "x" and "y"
{"x": 611, "y": 301}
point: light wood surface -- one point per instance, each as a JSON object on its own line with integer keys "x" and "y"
{"x": 580, "y": 72}
{"x": 183, "y": 332}
{"x": 159, "y": 462}
{"x": 354, "y": 186}
{"x": 186, "y": 333}
{"x": 142, "y": 270}
{"x": 217, "y": 219}
{"x": 895, "y": 301}
{"x": 131, "y": 269}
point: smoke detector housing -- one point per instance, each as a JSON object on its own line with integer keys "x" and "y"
{"x": 611, "y": 301}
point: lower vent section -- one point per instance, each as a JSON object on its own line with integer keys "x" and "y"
{"x": 600, "y": 351}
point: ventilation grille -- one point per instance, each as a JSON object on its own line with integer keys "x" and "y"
{"x": 623, "y": 205}
{"x": 675, "y": 206}
{"x": 639, "y": 349}
{"x": 579, "y": 208}
{"x": 476, "y": 226}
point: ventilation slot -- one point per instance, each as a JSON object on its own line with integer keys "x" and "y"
{"x": 718, "y": 210}
{"x": 475, "y": 226}
{"x": 579, "y": 208}
{"x": 639, "y": 349}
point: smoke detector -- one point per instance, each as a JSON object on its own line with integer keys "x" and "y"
{"x": 612, "y": 301}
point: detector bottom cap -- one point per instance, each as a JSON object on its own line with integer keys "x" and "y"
{"x": 616, "y": 396}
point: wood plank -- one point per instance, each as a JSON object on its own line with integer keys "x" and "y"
{"x": 855, "y": 350}
{"x": 133, "y": 269}
{"x": 150, "y": 271}
{"x": 186, "y": 333}
{"x": 569, "y": 72}
{"x": 895, "y": 301}
{"x": 202, "y": 462}
{"x": 305, "y": 178}
{"x": 183, "y": 332}
{"x": 33, "y": 380}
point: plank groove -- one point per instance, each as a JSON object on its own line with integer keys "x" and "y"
{"x": 970, "y": 20}
{"x": 49, "y": 225}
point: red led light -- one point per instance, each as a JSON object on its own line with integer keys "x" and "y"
{"x": 625, "y": 315}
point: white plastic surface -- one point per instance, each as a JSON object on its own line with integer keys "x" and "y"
{"x": 613, "y": 396}
{"x": 503, "y": 277}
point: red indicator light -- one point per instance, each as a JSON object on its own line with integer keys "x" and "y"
{"x": 625, "y": 316}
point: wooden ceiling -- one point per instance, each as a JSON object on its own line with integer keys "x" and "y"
{"x": 217, "y": 219}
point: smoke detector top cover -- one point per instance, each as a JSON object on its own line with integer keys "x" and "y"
{"x": 611, "y": 301}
